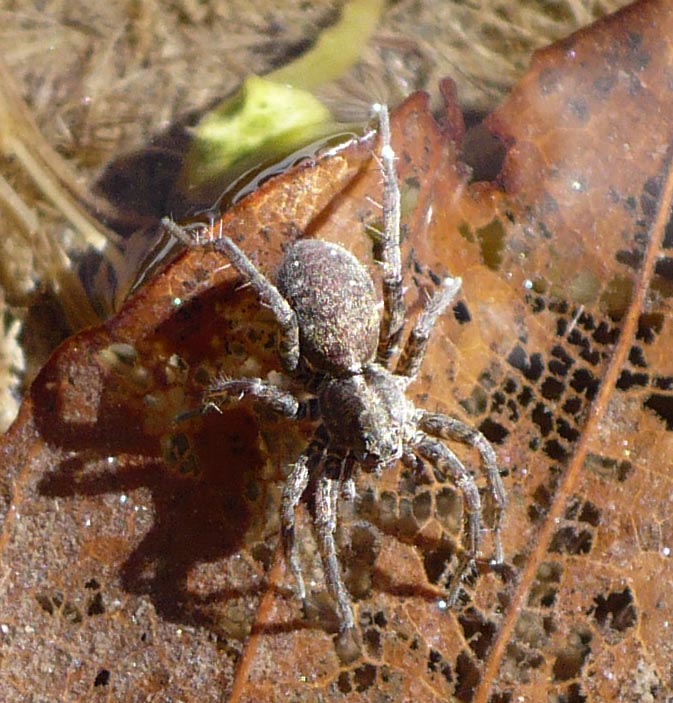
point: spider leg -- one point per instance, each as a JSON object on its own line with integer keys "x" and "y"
{"x": 292, "y": 492}
{"x": 282, "y": 402}
{"x": 270, "y": 296}
{"x": 326, "y": 500}
{"x": 414, "y": 350}
{"x": 447, "y": 463}
{"x": 288, "y": 347}
{"x": 388, "y": 248}
{"x": 189, "y": 235}
{"x": 445, "y": 427}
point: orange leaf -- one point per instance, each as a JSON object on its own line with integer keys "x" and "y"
{"x": 140, "y": 555}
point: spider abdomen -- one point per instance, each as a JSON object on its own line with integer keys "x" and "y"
{"x": 334, "y": 299}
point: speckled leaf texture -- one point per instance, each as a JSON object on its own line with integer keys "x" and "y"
{"x": 140, "y": 555}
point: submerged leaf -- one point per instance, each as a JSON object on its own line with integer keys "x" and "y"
{"x": 265, "y": 119}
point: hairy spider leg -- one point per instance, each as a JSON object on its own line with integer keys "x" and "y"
{"x": 328, "y": 487}
{"x": 292, "y": 492}
{"x": 447, "y": 463}
{"x": 288, "y": 348}
{"x": 282, "y": 402}
{"x": 445, "y": 427}
{"x": 187, "y": 234}
{"x": 394, "y": 311}
{"x": 412, "y": 355}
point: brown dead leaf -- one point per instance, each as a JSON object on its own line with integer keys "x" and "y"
{"x": 140, "y": 556}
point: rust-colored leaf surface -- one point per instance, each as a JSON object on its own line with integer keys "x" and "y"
{"x": 140, "y": 556}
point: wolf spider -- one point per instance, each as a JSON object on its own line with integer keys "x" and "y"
{"x": 335, "y": 346}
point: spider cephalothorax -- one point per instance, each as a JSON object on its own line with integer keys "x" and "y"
{"x": 335, "y": 345}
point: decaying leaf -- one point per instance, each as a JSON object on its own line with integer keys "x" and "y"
{"x": 139, "y": 553}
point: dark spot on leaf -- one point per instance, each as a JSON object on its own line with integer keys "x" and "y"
{"x": 559, "y": 306}
{"x": 525, "y": 396}
{"x": 263, "y": 553}
{"x": 664, "y": 268}
{"x": 501, "y": 697}
{"x": 572, "y": 405}
{"x": 102, "y": 678}
{"x": 668, "y": 236}
{"x": 493, "y": 431}
{"x": 638, "y": 58}
{"x": 524, "y": 657}
{"x": 531, "y": 368}
{"x": 461, "y": 312}
{"x": 372, "y": 641}
{"x": 438, "y": 664}
{"x": 364, "y": 677}
{"x": 662, "y": 405}
{"x": 551, "y": 388}
{"x": 591, "y": 356}
{"x": 545, "y": 587}
{"x": 555, "y": 450}
{"x": 628, "y": 380}
{"x": 435, "y": 561}
{"x": 478, "y": 631}
{"x": 579, "y": 109}
{"x": 467, "y": 677}
{"x": 573, "y": 694}
{"x": 604, "y": 84}
{"x": 605, "y": 334}
{"x": 637, "y": 357}
{"x": 543, "y": 418}
{"x": 343, "y": 682}
{"x": 570, "y": 660}
{"x": 568, "y": 540}
{"x": 96, "y": 606}
{"x": 380, "y": 619}
{"x": 664, "y": 383}
{"x": 590, "y": 514}
{"x": 422, "y": 506}
{"x": 45, "y": 603}
{"x": 477, "y": 403}
{"x": 609, "y": 468}
{"x": 487, "y": 381}
{"x": 649, "y": 326}
{"x": 497, "y": 402}
{"x": 566, "y": 431}
{"x": 616, "y": 611}
{"x": 562, "y": 361}
{"x": 492, "y": 239}
{"x": 484, "y": 153}
{"x": 583, "y": 381}
{"x": 542, "y": 497}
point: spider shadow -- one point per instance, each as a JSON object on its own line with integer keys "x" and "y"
{"x": 199, "y": 520}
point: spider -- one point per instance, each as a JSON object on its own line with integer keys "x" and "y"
{"x": 335, "y": 347}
